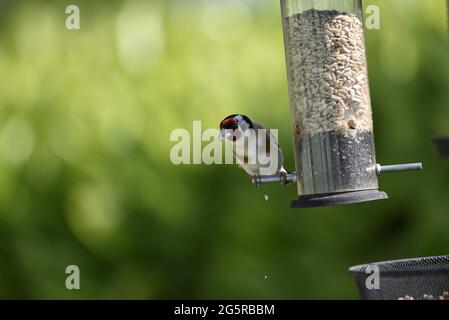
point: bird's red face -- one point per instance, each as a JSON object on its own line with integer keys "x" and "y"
{"x": 229, "y": 129}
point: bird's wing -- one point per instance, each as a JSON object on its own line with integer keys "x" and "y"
{"x": 231, "y": 145}
{"x": 243, "y": 158}
{"x": 272, "y": 144}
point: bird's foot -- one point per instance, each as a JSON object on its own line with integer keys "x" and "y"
{"x": 284, "y": 178}
{"x": 255, "y": 179}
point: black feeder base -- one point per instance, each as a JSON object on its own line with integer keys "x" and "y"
{"x": 334, "y": 199}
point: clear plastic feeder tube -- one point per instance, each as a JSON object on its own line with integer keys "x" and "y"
{"x": 329, "y": 96}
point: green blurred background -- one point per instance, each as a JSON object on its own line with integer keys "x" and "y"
{"x": 85, "y": 176}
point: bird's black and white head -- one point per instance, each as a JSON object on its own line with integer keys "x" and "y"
{"x": 233, "y": 127}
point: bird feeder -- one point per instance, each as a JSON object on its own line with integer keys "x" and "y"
{"x": 330, "y": 104}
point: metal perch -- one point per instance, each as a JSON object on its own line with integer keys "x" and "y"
{"x": 398, "y": 167}
{"x": 260, "y": 180}
{"x": 379, "y": 169}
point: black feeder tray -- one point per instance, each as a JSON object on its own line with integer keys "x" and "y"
{"x": 408, "y": 279}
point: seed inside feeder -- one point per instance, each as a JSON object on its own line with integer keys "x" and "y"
{"x": 328, "y": 72}
{"x": 444, "y": 296}
{"x": 352, "y": 124}
{"x": 330, "y": 101}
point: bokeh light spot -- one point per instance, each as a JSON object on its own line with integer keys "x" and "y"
{"x": 226, "y": 22}
{"x": 16, "y": 141}
{"x": 140, "y": 36}
{"x": 93, "y": 213}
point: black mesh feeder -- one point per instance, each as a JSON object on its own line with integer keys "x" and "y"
{"x": 330, "y": 105}
{"x": 408, "y": 279}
